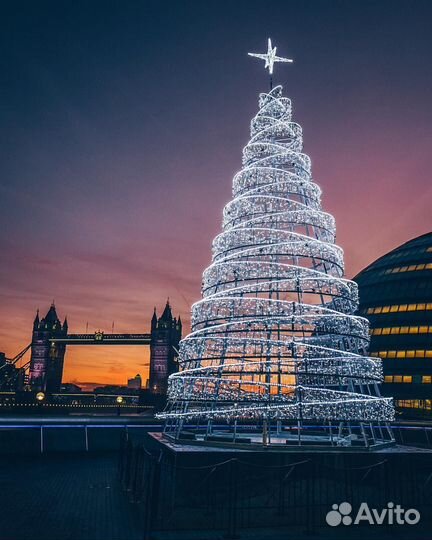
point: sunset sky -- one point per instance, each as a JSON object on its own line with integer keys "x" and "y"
{"x": 122, "y": 125}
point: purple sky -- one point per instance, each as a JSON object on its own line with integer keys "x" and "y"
{"x": 122, "y": 128}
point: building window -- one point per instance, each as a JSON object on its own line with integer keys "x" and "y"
{"x": 419, "y": 353}
{"x": 395, "y": 308}
{"x": 384, "y": 331}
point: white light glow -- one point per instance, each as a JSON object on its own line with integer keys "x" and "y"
{"x": 270, "y": 57}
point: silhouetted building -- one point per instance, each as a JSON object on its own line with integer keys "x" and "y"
{"x": 135, "y": 382}
{"x": 165, "y": 336}
{"x": 116, "y": 389}
{"x": 11, "y": 377}
{"x": 396, "y": 296}
{"x": 70, "y": 388}
{"x": 47, "y": 357}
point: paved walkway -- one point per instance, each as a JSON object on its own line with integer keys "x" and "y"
{"x": 64, "y": 497}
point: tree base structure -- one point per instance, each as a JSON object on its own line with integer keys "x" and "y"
{"x": 329, "y": 437}
{"x": 189, "y": 491}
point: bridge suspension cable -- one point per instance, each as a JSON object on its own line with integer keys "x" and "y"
{"x": 16, "y": 358}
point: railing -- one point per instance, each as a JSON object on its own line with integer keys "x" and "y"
{"x": 74, "y": 434}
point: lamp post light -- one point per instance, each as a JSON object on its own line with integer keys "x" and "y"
{"x": 40, "y": 398}
{"x": 119, "y": 401}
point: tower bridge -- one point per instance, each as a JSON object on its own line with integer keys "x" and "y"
{"x": 50, "y": 338}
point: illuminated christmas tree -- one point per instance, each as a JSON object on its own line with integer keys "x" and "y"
{"x": 275, "y": 342}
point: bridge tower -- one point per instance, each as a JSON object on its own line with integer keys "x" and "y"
{"x": 165, "y": 336}
{"x": 46, "y": 363}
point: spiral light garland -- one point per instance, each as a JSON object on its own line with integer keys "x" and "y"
{"x": 274, "y": 336}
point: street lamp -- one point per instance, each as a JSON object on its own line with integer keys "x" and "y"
{"x": 40, "y": 396}
{"x": 119, "y": 400}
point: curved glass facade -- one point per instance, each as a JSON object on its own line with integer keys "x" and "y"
{"x": 396, "y": 296}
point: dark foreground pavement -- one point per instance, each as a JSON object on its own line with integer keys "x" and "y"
{"x": 64, "y": 497}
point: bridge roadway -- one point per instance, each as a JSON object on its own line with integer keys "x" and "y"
{"x": 100, "y": 338}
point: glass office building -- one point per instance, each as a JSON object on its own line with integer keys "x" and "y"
{"x": 396, "y": 296}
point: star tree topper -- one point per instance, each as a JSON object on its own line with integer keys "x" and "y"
{"x": 270, "y": 57}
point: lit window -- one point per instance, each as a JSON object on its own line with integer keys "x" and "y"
{"x": 427, "y": 379}
{"x": 378, "y": 310}
{"x": 420, "y": 354}
{"x": 412, "y": 307}
{"x": 421, "y": 267}
{"x": 428, "y": 354}
{"x": 404, "y": 329}
{"x": 428, "y": 306}
{"x": 423, "y": 329}
{"x": 397, "y": 378}
{"x": 403, "y": 307}
{"x": 400, "y": 354}
{"x": 421, "y": 307}
{"x": 385, "y": 309}
{"x": 388, "y": 378}
{"x": 391, "y": 354}
{"x": 410, "y": 354}
{"x": 413, "y": 329}
{"x": 386, "y": 331}
{"x": 393, "y": 309}
{"x": 370, "y": 310}
{"x": 411, "y": 268}
{"x": 395, "y": 330}
{"x": 428, "y": 266}
{"x": 407, "y": 379}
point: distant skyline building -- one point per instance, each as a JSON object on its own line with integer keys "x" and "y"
{"x": 396, "y": 296}
{"x": 70, "y": 388}
{"x": 135, "y": 382}
{"x": 11, "y": 377}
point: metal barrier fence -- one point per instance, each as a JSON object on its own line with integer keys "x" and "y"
{"x": 254, "y": 491}
{"x": 77, "y": 435}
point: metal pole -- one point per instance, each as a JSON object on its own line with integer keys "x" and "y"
{"x": 41, "y": 440}
{"x": 264, "y": 432}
